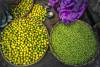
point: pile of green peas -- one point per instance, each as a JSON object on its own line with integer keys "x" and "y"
{"x": 74, "y": 44}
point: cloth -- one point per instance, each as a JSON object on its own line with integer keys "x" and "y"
{"x": 69, "y": 10}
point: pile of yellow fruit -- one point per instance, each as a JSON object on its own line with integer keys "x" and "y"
{"x": 38, "y": 12}
{"x": 22, "y": 8}
{"x": 24, "y": 41}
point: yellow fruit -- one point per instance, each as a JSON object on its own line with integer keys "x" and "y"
{"x": 23, "y": 8}
{"x": 24, "y": 45}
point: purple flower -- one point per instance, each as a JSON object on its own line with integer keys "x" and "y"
{"x": 70, "y": 10}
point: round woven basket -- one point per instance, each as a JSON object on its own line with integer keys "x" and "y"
{"x": 90, "y": 61}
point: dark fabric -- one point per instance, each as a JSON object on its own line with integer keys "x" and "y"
{"x": 95, "y": 6}
{"x": 5, "y": 6}
{"x": 3, "y": 17}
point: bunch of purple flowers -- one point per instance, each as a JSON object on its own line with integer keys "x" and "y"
{"x": 69, "y": 10}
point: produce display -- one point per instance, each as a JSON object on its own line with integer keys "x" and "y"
{"x": 73, "y": 44}
{"x": 24, "y": 41}
{"x": 22, "y": 8}
{"x": 29, "y": 27}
